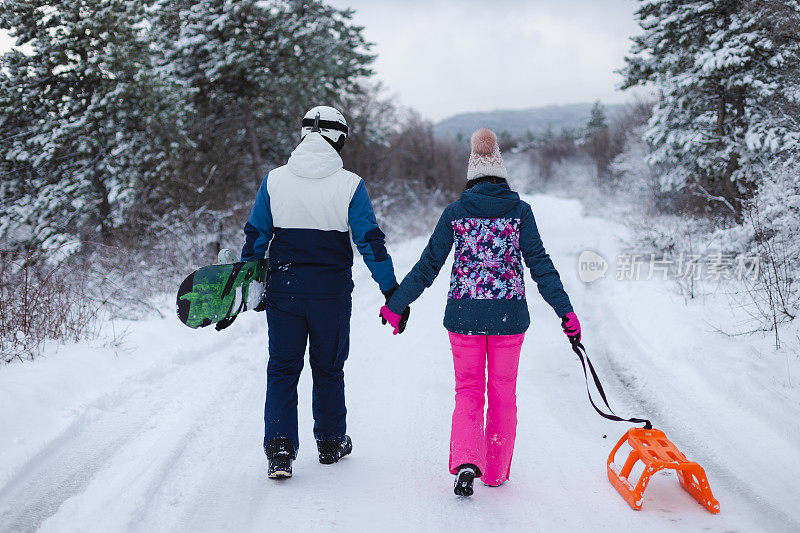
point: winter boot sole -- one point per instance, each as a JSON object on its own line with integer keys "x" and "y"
{"x": 280, "y": 474}
{"x": 280, "y": 467}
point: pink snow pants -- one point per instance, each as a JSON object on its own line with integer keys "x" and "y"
{"x": 490, "y": 450}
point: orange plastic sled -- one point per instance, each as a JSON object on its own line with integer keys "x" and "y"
{"x": 653, "y": 448}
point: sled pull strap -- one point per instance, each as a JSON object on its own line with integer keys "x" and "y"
{"x": 580, "y": 351}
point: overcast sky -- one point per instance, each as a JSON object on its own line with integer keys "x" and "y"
{"x": 443, "y": 57}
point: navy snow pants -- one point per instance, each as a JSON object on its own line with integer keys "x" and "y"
{"x": 323, "y": 324}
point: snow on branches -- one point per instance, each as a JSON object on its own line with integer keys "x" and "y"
{"x": 118, "y": 111}
{"x": 727, "y": 73}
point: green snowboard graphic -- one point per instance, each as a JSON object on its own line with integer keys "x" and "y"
{"x": 217, "y": 292}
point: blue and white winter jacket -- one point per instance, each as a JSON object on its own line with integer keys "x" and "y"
{"x": 493, "y": 230}
{"x": 304, "y": 212}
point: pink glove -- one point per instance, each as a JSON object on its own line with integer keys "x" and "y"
{"x": 392, "y": 318}
{"x": 571, "y": 326}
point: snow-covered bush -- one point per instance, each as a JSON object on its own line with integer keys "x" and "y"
{"x": 772, "y": 230}
{"x": 57, "y": 296}
{"x": 550, "y": 150}
{"x": 41, "y": 302}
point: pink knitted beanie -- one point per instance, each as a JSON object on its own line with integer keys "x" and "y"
{"x": 485, "y": 158}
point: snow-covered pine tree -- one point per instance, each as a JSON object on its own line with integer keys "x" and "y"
{"x": 253, "y": 67}
{"x": 82, "y": 103}
{"x": 597, "y": 139}
{"x": 16, "y": 174}
{"x": 783, "y": 28}
{"x": 720, "y": 68}
{"x": 597, "y": 119}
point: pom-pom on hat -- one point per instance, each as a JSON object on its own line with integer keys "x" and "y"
{"x": 485, "y": 158}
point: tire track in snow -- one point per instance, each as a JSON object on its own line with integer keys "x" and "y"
{"x": 220, "y": 440}
{"x": 67, "y": 465}
{"x": 59, "y": 471}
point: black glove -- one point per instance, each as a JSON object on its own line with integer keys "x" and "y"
{"x": 403, "y": 316}
{"x": 388, "y": 295}
{"x": 404, "y": 320}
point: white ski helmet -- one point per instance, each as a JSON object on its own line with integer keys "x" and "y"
{"x": 329, "y": 122}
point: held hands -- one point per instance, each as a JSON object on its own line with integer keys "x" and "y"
{"x": 571, "y": 327}
{"x": 398, "y": 322}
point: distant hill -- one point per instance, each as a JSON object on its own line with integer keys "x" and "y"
{"x": 519, "y": 121}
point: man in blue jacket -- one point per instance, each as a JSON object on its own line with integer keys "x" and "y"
{"x": 304, "y": 213}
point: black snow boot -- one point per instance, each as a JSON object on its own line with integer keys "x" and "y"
{"x": 280, "y": 454}
{"x": 466, "y": 475}
{"x": 330, "y": 451}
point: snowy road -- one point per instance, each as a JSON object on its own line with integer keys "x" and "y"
{"x": 163, "y": 433}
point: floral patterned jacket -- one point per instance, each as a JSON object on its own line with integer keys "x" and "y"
{"x": 493, "y": 231}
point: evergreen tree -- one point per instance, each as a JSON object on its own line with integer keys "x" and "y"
{"x": 597, "y": 140}
{"x": 720, "y": 68}
{"x": 253, "y": 67}
{"x": 16, "y": 173}
{"x": 597, "y": 119}
{"x": 77, "y": 112}
{"x": 120, "y": 110}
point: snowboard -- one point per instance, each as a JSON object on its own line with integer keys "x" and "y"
{"x": 219, "y": 292}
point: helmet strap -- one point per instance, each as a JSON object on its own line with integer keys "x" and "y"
{"x": 337, "y": 145}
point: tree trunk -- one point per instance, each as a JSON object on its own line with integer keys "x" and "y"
{"x": 721, "y": 116}
{"x": 255, "y": 148}
{"x": 729, "y": 188}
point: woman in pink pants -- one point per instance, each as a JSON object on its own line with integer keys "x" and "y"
{"x": 492, "y": 231}
{"x": 488, "y": 448}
